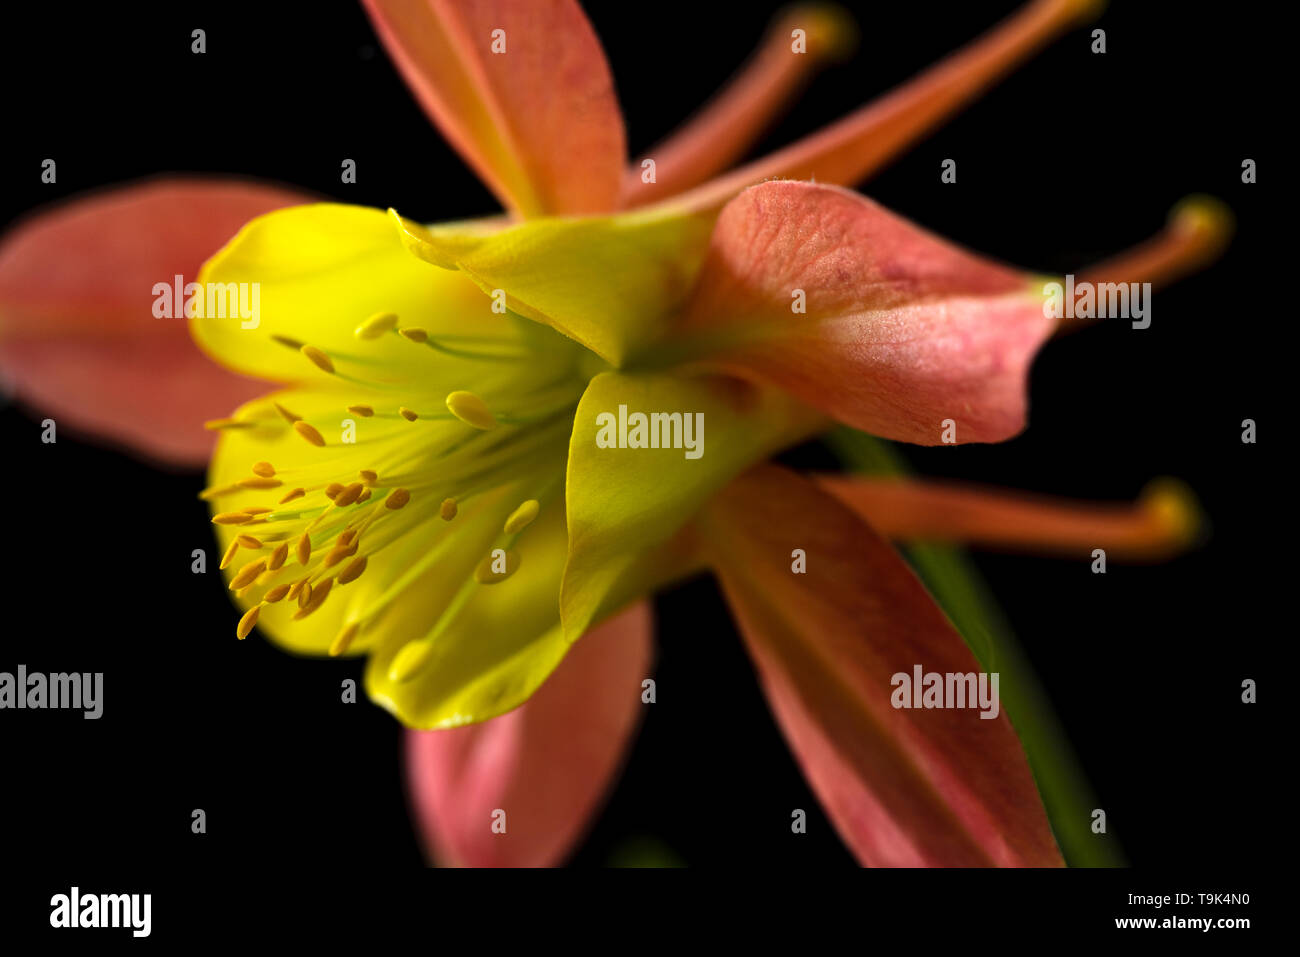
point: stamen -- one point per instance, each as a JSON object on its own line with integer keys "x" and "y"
{"x": 255, "y": 510}
{"x": 369, "y": 475}
{"x": 309, "y": 433}
{"x": 407, "y": 414}
{"x": 285, "y": 341}
{"x": 278, "y": 556}
{"x": 522, "y": 517}
{"x": 230, "y": 554}
{"x": 447, "y": 510}
{"x": 304, "y": 548}
{"x": 247, "y": 622}
{"x": 247, "y": 574}
{"x": 264, "y": 469}
{"x": 288, "y": 416}
{"x": 248, "y": 541}
{"x": 376, "y": 325}
{"x": 415, "y": 334}
{"x": 257, "y": 482}
{"x": 296, "y": 493}
{"x": 349, "y": 494}
{"x": 276, "y": 593}
{"x": 409, "y": 660}
{"x": 364, "y": 411}
{"x": 318, "y": 596}
{"x": 338, "y": 553}
{"x": 397, "y": 498}
{"x": 486, "y": 573}
{"x": 321, "y": 360}
{"x": 332, "y": 490}
{"x": 353, "y": 571}
{"x": 231, "y": 518}
{"x": 218, "y": 424}
{"x": 343, "y": 640}
{"x": 471, "y": 410}
{"x": 304, "y": 593}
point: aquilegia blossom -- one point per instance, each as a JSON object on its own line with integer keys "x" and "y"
{"x": 496, "y": 437}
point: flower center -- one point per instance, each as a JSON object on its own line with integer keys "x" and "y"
{"x": 397, "y": 461}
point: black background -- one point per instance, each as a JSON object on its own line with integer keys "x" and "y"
{"x": 1074, "y": 157}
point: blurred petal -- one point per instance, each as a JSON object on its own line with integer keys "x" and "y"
{"x": 901, "y": 330}
{"x": 78, "y": 336}
{"x": 849, "y": 150}
{"x": 626, "y": 504}
{"x": 1197, "y": 232}
{"x": 904, "y": 787}
{"x": 1163, "y": 521}
{"x": 548, "y": 764}
{"x": 539, "y": 122}
{"x": 724, "y": 129}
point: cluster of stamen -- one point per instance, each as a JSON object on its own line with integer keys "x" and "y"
{"x": 320, "y": 529}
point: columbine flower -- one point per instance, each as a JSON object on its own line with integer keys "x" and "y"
{"x": 429, "y": 489}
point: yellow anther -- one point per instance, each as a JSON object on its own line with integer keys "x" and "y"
{"x": 347, "y": 537}
{"x": 218, "y": 424}
{"x": 409, "y": 660}
{"x": 363, "y": 497}
{"x": 231, "y": 518}
{"x": 276, "y": 593}
{"x": 447, "y": 510}
{"x": 304, "y": 593}
{"x": 264, "y": 469}
{"x": 369, "y": 476}
{"x": 208, "y": 494}
{"x": 309, "y": 433}
{"x": 415, "y": 334}
{"x": 287, "y": 342}
{"x": 365, "y": 411}
{"x": 260, "y": 483}
{"x": 303, "y": 549}
{"x": 296, "y": 587}
{"x": 321, "y": 360}
{"x": 255, "y": 510}
{"x": 296, "y": 493}
{"x": 318, "y": 596}
{"x": 397, "y": 498}
{"x": 248, "y": 573}
{"x": 278, "y": 556}
{"x": 471, "y": 410}
{"x": 497, "y": 566}
{"x": 349, "y": 495}
{"x": 343, "y": 640}
{"x": 353, "y": 571}
{"x": 248, "y": 541}
{"x": 338, "y": 553}
{"x": 229, "y": 557}
{"x": 408, "y": 414}
{"x": 522, "y": 517}
{"x": 376, "y": 325}
{"x": 332, "y": 490}
{"x": 288, "y": 416}
{"x": 247, "y": 622}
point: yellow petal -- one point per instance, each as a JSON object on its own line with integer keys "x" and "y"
{"x": 321, "y": 271}
{"x": 608, "y": 282}
{"x": 626, "y": 505}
